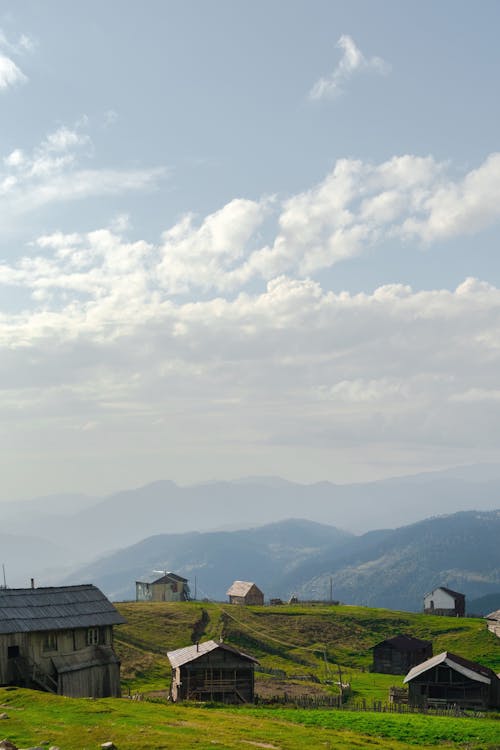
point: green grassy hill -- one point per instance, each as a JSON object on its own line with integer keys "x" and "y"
{"x": 302, "y": 641}
{"x": 293, "y": 639}
{"x": 35, "y": 718}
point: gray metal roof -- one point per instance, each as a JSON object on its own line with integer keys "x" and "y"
{"x": 191, "y": 653}
{"x": 55, "y": 608}
{"x": 470, "y": 669}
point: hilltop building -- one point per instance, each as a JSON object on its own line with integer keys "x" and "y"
{"x": 493, "y": 622}
{"x": 59, "y": 639}
{"x": 245, "y": 592}
{"x": 399, "y": 654}
{"x": 169, "y": 588}
{"x": 443, "y": 601}
{"x": 212, "y": 671}
{"x": 448, "y": 679}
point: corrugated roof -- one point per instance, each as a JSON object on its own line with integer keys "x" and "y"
{"x": 404, "y": 643}
{"x": 470, "y": 669}
{"x": 191, "y": 653}
{"x": 55, "y": 608}
{"x": 494, "y": 615}
{"x": 240, "y": 588}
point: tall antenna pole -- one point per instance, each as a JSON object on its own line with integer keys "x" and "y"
{"x": 331, "y": 590}
{"x": 195, "y": 589}
{"x": 4, "y": 579}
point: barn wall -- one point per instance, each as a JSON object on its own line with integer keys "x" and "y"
{"x": 389, "y": 660}
{"x": 100, "y": 681}
{"x": 220, "y": 676}
{"x": 167, "y": 592}
{"x": 34, "y": 648}
{"x": 443, "y": 684}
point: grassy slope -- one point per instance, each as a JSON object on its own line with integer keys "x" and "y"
{"x": 291, "y": 638}
{"x": 79, "y": 724}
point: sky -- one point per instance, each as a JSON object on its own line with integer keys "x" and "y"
{"x": 247, "y": 238}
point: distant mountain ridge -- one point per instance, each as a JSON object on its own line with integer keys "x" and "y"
{"x": 126, "y": 517}
{"x": 86, "y": 527}
{"x": 385, "y": 568}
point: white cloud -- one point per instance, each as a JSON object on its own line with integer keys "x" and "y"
{"x": 54, "y": 172}
{"x": 352, "y": 62}
{"x": 10, "y": 74}
{"x": 104, "y": 337}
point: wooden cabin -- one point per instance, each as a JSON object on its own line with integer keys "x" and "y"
{"x": 169, "y": 588}
{"x": 59, "y": 639}
{"x": 443, "y": 601}
{"x": 399, "y": 654}
{"x": 212, "y": 671}
{"x": 451, "y": 680}
{"x": 493, "y": 622}
{"x": 245, "y": 592}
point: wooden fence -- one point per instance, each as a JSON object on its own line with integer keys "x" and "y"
{"x": 335, "y": 702}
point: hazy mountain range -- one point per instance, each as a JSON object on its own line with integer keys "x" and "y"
{"x": 190, "y": 527}
{"x": 387, "y": 568}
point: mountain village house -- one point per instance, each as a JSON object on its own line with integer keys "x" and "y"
{"x": 59, "y": 639}
{"x": 399, "y": 654}
{"x": 212, "y": 671}
{"x": 169, "y": 588}
{"x": 245, "y": 592}
{"x": 443, "y": 601}
{"x": 493, "y": 622}
{"x": 448, "y": 679}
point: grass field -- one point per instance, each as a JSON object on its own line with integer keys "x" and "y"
{"x": 298, "y": 640}
{"x": 82, "y": 724}
{"x": 301, "y": 641}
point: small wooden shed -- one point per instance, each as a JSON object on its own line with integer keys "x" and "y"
{"x": 59, "y": 639}
{"x": 399, "y": 654}
{"x": 493, "y": 622}
{"x": 448, "y": 679}
{"x": 212, "y": 671}
{"x": 245, "y": 592}
{"x": 444, "y": 601}
{"x": 169, "y": 588}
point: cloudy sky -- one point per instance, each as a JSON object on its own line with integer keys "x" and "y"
{"x": 243, "y": 238}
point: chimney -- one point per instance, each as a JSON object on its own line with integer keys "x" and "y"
{"x": 32, "y": 583}
{"x": 197, "y": 645}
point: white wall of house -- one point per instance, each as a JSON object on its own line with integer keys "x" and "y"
{"x": 441, "y": 600}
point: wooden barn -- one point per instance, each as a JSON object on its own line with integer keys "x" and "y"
{"x": 245, "y": 592}
{"x": 212, "y": 671}
{"x": 59, "y": 639}
{"x": 448, "y": 679}
{"x": 169, "y": 588}
{"x": 493, "y": 622}
{"x": 399, "y": 654}
{"x": 443, "y": 601}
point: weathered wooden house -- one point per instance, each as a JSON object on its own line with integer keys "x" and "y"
{"x": 493, "y": 622}
{"x": 399, "y": 654}
{"x": 245, "y": 592}
{"x": 448, "y": 679}
{"x": 212, "y": 671}
{"x": 59, "y": 639}
{"x": 169, "y": 588}
{"x": 444, "y": 601}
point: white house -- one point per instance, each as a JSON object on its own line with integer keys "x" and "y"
{"x": 444, "y": 601}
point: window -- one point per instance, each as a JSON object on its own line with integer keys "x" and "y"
{"x": 49, "y": 642}
{"x": 93, "y": 637}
